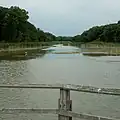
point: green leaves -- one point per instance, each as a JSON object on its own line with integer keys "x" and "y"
{"x": 106, "y": 33}
{"x": 14, "y": 27}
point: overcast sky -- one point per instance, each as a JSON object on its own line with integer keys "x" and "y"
{"x": 68, "y": 17}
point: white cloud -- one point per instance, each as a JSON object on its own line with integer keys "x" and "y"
{"x": 69, "y": 17}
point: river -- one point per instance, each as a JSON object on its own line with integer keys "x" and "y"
{"x": 51, "y": 68}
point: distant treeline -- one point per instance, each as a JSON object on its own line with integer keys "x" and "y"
{"x": 15, "y": 27}
{"x": 106, "y": 33}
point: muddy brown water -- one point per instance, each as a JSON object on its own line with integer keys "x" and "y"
{"x": 53, "y": 68}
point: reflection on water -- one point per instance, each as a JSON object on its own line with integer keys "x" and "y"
{"x": 65, "y": 69}
{"x": 112, "y": 59}
{"x": 22, "y": 55}
{"x": 62, "y": 49}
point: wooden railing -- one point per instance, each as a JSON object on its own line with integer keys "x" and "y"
{"x": 64, "y": 110}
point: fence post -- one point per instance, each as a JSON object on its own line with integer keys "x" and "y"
{"x": 64, "y": 103}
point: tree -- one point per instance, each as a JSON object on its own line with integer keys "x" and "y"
{"x": 119, "y": 22}
{"x": 14, "y": 27}
{"x": 106, "y": 33}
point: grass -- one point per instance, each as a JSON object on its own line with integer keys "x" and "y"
{"x": 20, "y": 52}
{"x": 110, "y": 48}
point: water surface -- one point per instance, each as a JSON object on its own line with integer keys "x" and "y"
{"x": 53, "y": 68}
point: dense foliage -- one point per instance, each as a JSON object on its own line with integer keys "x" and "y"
{"x": 106, "y": 33}
{"x": 14, "y": 27}
{"x": 63, "y": 38}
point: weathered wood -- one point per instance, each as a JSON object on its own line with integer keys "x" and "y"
{"x": 27, "y": 111}
{"x": 53, "y": 111}
{"x": 84, "y": 116}
{"x": 90, "y": 89}
{"x": 32, "y": 86}
{"x": 64, "y": 103}
{"x": 79, "y": 88}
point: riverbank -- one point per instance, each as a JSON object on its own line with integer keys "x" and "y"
{"x": 100, "y": 54}
{"x": 21, "y": 54}
{"x": 89, "y": 49}
{"x": 105, "y": 51}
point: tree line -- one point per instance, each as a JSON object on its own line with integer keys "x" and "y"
{"x": 15, "y": 27}
{"x": 105, "y": 33}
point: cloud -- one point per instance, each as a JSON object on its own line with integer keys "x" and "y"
{"x": 69, "y": 17}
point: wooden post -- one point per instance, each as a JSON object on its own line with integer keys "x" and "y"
{"x": 64, "y": 103}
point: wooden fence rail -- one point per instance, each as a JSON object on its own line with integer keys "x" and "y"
{"x": 53, "y": 111}
{"x": 64, "y": 110}
{"x": 79, "y": 88}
